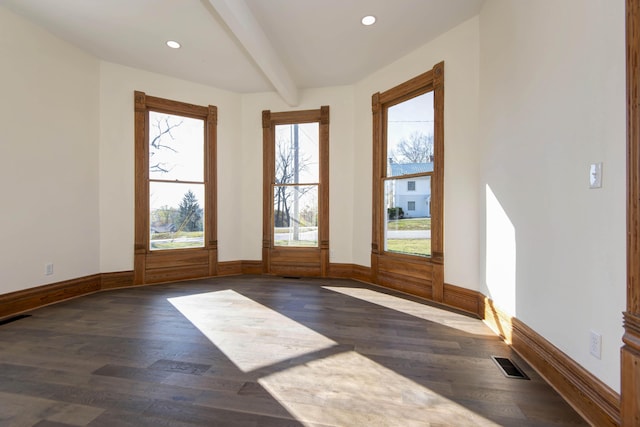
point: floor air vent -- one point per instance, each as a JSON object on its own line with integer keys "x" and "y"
{"x": 509, "y": 369}
{"x": 13, "y": 319}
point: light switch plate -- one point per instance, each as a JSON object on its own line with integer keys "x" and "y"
{"x": 595, "y": 344}
{"x": 595, "y": 175}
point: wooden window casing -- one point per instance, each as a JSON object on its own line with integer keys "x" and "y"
{"x": 295, "y": 261}
{"x": 419, "y": 275}
{"x": 630, "y": 353}
{"x": 173, "y": 264}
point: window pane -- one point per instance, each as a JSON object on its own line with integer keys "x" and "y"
{"x": 176, "y": 215}
{"x": 297, "y": 153}
{"x": 295, "y": 215}
{"x": 410, "y": 136}
{"x": 176, "y": 147}
{"x": 408, "y": 216}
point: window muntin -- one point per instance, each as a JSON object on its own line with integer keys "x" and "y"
{"x": 411, "y": 186}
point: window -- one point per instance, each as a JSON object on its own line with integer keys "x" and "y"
{"x": 176, "y": 181}
{"x": 175, "y": 190}
{"x": 296, "y": 192}
{"x": 408, "y": 168}
{"x": 409, "y": 148}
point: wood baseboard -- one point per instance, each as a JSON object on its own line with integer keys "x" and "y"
{"x": 350, "y": 271}
{"x": 120, "y": 279}
{"x": 462, "y": 299}
{"x": 593, "y": 399}
{"x": 361, "y": 273}
{"x": 251, "y": 267}
{"x": 235, "y": 268}
{"x": 590, "y": 397}
{"x": 496, "y": 319}
{"x": 28, "y": 299}
{"x": 229, "y": 268}
{"x": 341, "y": 271}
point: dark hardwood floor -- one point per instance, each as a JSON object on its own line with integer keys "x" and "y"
{"x": 262, "y": 351}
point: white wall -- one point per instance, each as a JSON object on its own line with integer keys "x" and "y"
{"x": 459, "y": 49}
{"x": 552, "y": 102}
{"x": 117, "y": 84}
{"x": 341, "y": 206}
{"x": 49, "y": 155}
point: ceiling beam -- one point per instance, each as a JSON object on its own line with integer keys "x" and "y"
{"x": 238, "y": 17}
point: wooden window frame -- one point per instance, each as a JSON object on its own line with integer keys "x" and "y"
{"x": 173, "y": 264}
{"x": 423, "y": 276}
{"x": 295, "y": 261}
{"x": 630, "y": 353}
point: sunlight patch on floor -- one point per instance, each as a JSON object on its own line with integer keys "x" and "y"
{"x": 348, "y": 389}
{"x": 242, "y": 328}
{"x": 334, "y": 386}
{"x": 416, "y": 309}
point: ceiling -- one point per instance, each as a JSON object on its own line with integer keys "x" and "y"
{"x": 250, "y": 45}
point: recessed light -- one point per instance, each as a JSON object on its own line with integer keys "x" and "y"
{"x": 369, "y": 20}
{"x": 173, "y": 44}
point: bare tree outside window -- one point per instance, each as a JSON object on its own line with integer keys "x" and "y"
{"x": 161, "y": 131}
{"x": 410, "y": 155}
{"x": 176, "y": 187}
{"x": 416, "y": 148}
{"x": 296, "y": 180}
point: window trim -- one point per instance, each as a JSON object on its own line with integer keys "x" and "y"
{"x": 293, "y": 260}
{"x": 170, "y": 264}
{"x": 432, "y": 268}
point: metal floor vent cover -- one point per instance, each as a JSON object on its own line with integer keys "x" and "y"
{"x": 509, "y": 369}
{"x": 13, "y": 319}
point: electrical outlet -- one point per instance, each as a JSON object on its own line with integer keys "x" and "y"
{"x": 595, "y": 175}
{"x": 595, "y": 345}
{"x": 48, "y": 269}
